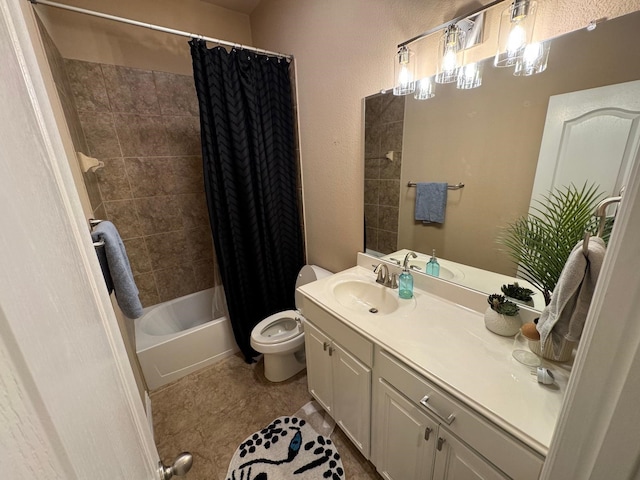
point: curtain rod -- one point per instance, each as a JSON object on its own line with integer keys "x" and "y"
{"x": 158, "y": 28}
{"x": 450, "y": 22}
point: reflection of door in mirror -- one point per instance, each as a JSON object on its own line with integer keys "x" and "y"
{"x": 590, "y": 136}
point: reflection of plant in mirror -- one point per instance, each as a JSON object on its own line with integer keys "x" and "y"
{"x": 541, "y": 242}
{"x": 501, "y": 305}
{"x": 514, "y": 290}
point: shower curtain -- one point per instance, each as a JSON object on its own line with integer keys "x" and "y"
{"x": 249, "y": 161}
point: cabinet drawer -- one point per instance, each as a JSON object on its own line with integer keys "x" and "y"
{"x": 507, "y": 453}
{"x": 356, "y": 344}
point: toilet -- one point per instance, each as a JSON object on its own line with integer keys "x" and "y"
{"x": 280, "y": 337}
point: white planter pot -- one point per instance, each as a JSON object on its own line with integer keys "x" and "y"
{"x": 504, "y": 325}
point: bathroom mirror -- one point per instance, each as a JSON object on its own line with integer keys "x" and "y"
{"x": 488, "y": 138}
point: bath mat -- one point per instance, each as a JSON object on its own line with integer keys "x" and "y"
{"x": 288, "y": 448}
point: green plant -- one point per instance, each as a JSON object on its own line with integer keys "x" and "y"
{"x": 541, "y": 242}
{"x": 514, "y": 290}
{"x": 501, "y": 305}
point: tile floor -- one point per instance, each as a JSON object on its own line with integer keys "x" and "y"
{"x": 210, "y": 412}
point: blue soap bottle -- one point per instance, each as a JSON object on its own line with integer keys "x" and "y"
{"x": 405, "y": 281}
{"x": 433, "y": 267}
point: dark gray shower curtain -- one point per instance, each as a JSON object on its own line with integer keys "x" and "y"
{"x": 248, "y": 154}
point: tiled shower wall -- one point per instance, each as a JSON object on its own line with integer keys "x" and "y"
{"x": 384, "y": 115}
{"x": 144, "y": 126}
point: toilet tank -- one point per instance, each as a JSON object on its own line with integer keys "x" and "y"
{"x": 308, "y": 274}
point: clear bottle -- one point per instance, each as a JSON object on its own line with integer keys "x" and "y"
{"x": 433, "y": 267}
{"x": 405, "y": 281}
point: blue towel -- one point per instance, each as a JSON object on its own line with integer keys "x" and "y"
{"x": 431, "y": 201}
{"x": 116, "y": 269}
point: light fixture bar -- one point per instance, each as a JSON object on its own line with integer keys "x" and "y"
{"x": 450, "y": 22}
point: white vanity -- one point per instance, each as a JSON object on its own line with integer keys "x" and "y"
{"x": 421, "y": 387}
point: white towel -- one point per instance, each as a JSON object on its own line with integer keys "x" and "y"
{"x": 564, "y": 317}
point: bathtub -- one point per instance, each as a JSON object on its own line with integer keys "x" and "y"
{"x": 181, "y": 336}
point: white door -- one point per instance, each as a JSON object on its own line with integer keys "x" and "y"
{"x": 69, "y": 407}
{"x": 352, "y": 397}
{"x": 403, "y": 437}
{"x": 589, "y": 136}
{"x": 319, "y": 366}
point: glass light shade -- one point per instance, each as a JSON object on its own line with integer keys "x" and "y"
{"x": 516, "y": 30}
{"x": 404, "y": 72}
{"x": 451, "y": 49}
{"x": 469, "y": 76}
{"x": 425, "y": 89}
{"x": 534, "y": 59}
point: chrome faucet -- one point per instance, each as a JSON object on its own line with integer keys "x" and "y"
{"x": 383, "y": 273}
{"x": 384, "y": 277}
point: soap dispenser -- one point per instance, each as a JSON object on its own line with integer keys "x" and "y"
{"x": 405, "y": 281}
{"x": 433, "y": 267}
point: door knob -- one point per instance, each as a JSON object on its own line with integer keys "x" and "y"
{"x": 181, "y": 465}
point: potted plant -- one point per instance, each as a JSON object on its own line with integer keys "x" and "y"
{"x": 541, "y": 242}
{"x": 502, "y": 317}
{"x": 516, "y": 292}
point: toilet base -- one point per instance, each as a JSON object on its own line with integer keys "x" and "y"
{"x": 281, "y": 367}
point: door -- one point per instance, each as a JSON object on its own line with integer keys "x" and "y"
{"x": 70, "y": 407}
{"x": 590, "y": 136}
{"x": 319, "y": 369}
{"x": 456, "y": 461}
{"x": 352, "y": 397}
{"x": 403, "y": 437}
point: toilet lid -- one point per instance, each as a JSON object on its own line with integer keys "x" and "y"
{"x": 308, "y": 274}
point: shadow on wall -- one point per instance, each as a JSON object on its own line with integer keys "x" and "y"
{"x": 144, "y": 126}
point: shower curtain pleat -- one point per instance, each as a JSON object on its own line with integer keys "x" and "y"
{"x": 248, "y": 154}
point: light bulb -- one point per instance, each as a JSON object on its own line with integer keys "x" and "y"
{"x": 517, "y": 39}
{"x": 405, "y": 76}
{"x": 449, "y": 61}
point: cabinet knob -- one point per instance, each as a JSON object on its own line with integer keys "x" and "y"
{"x": 440, "y": 443}
{"x": 427, "y": 433}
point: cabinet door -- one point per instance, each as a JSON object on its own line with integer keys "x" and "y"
{"x": 456, "y": 461}
{"x": 319, "y": 366}
{"x": 404, "y": 438}
{"x": 352, "y": 397}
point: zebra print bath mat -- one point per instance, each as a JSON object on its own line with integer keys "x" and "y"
{"x": 288, "y": 448}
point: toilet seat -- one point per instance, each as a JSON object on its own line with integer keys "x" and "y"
{"x": 278, "y": 333}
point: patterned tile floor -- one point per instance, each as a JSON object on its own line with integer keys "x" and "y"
{"x": 210, "y": 412}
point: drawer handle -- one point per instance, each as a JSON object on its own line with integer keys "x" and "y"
{"x": 448, "y": 420}
{"x": 325, "y": 345}
{"x": 330, "y": 351}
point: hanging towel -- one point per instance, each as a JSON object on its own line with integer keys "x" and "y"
{"x": 116, "y": 269}
{"x": 431, "y": 201}
{"x": 564, "y": 317}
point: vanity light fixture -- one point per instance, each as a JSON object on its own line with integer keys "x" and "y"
{"x": 534, "y": 59}
{"x": 470, "y": 76}
{"x": 425, "y": 89}
{"x": 404, "y": 71}
{"x": 516, "y": 30}
{"x": 451, "y": 46}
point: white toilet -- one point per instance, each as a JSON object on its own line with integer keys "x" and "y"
{"x": 280, "y": 337}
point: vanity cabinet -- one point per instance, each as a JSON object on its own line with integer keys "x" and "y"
{"x": 339, "y": 377}
{"x": 421, "y": 433}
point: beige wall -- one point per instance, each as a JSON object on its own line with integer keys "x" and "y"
{"x": 97, "y": 40}
{"x": 344, "y": 52}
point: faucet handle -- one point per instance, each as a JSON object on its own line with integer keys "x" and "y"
{"x": 393, "y": 281}
{"x": 382, "y": 278}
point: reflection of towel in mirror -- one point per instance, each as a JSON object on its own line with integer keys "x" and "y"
{"x": 431, "y": 201}
{"x": 117, "y": 271}
{"x": 564, "y": 317}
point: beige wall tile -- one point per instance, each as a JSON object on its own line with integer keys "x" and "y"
{"x": 168, "y": 250}
{"x": 204, "y": 273}
{"x": 146, "y": 284}
{"x": 138, "y": 255}
{"x": 124, "y": 216}
{"x": 175, "y": 282}
{"x": 159, "y": 214}
{"x": 130, "y": 90}
{"x": 87, "y": 86}
{"x": 194, "y": 210}
{"x": 199, "y": 244}
{"x": 176, "y": 94}
{"x": 100, "y": 134}
{"x": 183, "y": 134}
{"x": 141, "y": 135}
{"x": 113, "y": 181}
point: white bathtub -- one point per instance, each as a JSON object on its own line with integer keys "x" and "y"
{"x": 181, "y": 336}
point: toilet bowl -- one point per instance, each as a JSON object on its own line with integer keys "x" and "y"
{"x": 280, "y": 337}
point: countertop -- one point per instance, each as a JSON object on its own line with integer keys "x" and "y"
{"x": 450, "y": 346}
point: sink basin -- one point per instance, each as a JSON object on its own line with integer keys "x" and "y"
{"x": 445, "y": 272}
{"x": 364, "y": 296}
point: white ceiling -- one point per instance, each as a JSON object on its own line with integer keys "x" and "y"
{"x": 242, "y": 6}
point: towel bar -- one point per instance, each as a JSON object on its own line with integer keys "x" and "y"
{"x": 449, "y": 187}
